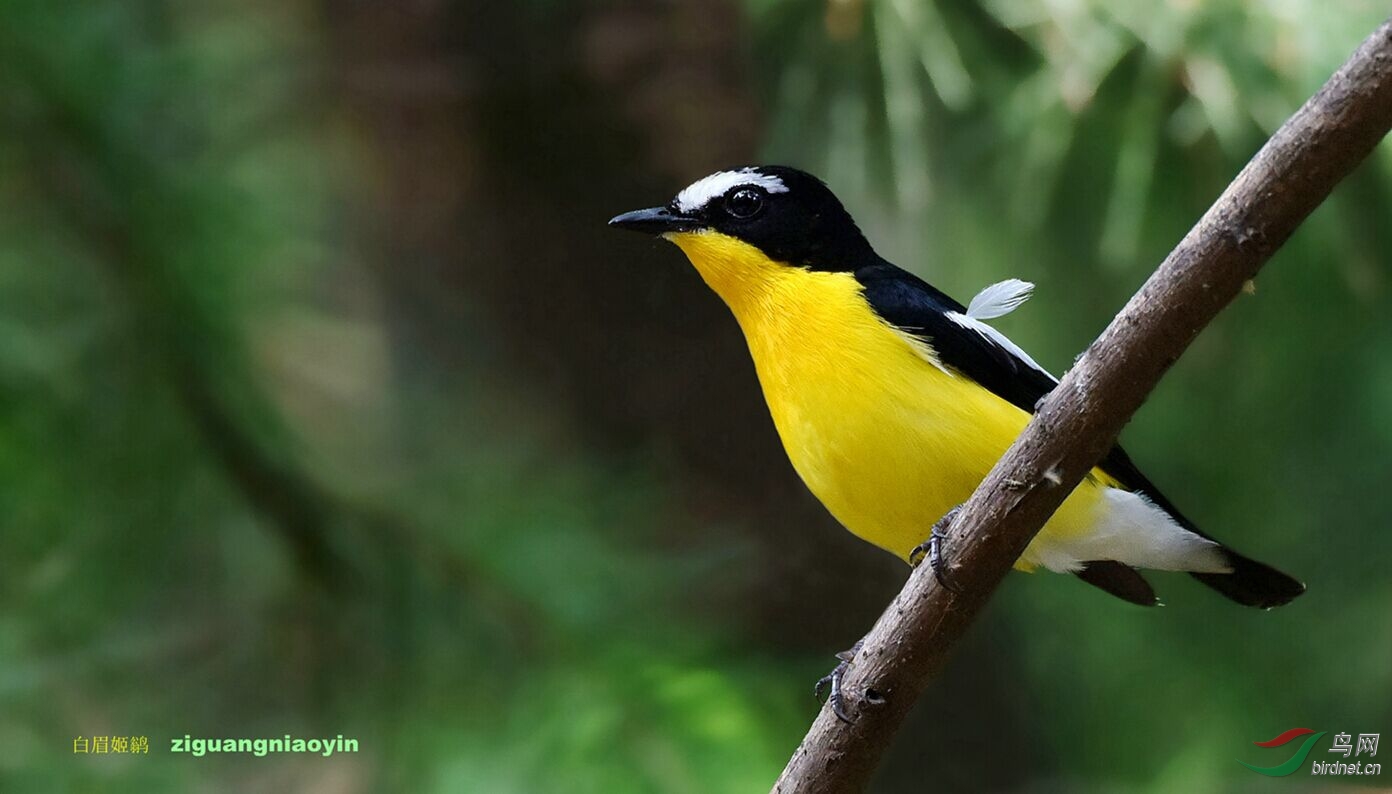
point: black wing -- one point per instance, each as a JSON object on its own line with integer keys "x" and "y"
{"x": 912, "y": 305}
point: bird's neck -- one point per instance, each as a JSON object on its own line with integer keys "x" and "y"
{"x": 778, "y": 305}
{"x": 742, "y": 275}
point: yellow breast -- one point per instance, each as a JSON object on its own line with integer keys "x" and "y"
{"x": 884, "y": 436}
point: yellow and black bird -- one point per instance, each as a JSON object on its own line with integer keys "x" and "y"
{"x": 893, "y": 400}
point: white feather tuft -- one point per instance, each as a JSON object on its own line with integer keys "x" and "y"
{"x": 999, "y": 299}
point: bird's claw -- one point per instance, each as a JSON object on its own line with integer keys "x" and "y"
{"x": 932, "y": 549}
{"x": 837, "y": 698}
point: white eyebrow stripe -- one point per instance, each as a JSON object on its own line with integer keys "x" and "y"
{"x": 699, "y": 193}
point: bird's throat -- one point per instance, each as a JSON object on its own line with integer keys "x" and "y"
{"x": 742, "y": 275}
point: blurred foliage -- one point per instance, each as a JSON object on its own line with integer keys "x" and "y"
{"x": 250, "y": 491}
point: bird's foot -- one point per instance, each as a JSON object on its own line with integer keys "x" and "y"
{"x": 932, "y": 548}
{"x": 837, "y": 698}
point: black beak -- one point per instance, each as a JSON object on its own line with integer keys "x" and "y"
{"x": 655, "y": 220}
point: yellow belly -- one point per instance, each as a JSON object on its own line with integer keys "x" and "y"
{"x": 886, "y": 439}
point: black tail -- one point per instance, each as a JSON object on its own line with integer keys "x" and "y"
{"x": 1252, "y": 583}
{"x": 1120, "y": 580}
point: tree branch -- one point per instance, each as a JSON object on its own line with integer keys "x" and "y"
{"x": 1079, "y": 421}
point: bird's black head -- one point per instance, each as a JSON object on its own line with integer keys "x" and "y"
{"x": 788, "y": 214}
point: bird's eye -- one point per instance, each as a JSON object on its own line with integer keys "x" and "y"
{"x": 745, "y": 203}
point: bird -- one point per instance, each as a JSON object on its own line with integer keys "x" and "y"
{"x": 893, "y": 401}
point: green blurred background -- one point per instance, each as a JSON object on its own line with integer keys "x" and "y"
{"x": 331, "y": 406}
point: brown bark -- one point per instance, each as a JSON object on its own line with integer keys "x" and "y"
{"x": 1079, "y": 421}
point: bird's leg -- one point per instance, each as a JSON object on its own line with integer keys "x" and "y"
{"x": 932, "y": 548}
{"x": 837, "y": 699}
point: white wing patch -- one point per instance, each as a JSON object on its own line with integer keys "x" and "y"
{"x": 999, "y": 299}
{"x": 999, "y": 338}
{"x": 699, "y": 193}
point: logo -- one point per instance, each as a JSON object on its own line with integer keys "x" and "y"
{"x": 1295, "y": 761}
{"x": 1343, "y": 743}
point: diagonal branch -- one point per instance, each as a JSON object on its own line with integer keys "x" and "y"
{"x": 1078, "y": 422}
